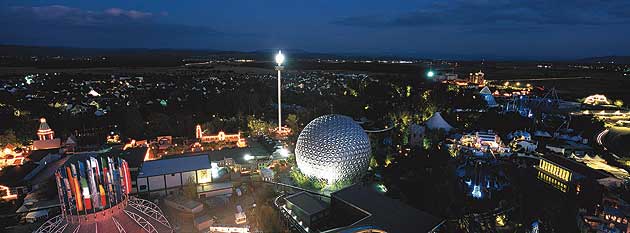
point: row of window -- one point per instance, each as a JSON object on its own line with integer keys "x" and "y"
{"x": 556, "y": 170}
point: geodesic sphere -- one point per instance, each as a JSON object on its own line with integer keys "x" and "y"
{"x": 333, "y": 147}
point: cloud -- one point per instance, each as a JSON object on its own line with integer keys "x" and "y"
{"x": 112, "y": 27}
{"x": 134, "y": 14}
{"x": 76, "y": 16}
{"x": 502, "y": 12}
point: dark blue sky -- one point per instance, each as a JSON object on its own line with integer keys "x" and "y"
{"x": 440, "y": 29}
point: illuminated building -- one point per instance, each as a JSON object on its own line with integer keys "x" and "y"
{"x": 484, "y": 141}
{"x": 94, "y": 197}
{"x": 477, "y": 78}
{"x": 596, "y": 100}
{"x": 567, "y": 175}
{"x": 167, "y": 176}
{"x": 45, "y": 132}
{"x": 220, "y": 137}
{"x": 333, "y": 147}
{"x": 46, "y": 137}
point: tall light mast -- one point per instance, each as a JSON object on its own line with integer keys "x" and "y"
{"x": 279, "y": 68}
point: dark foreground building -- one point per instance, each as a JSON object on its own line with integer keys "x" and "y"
{"x": 355, "y": 209}
{"x": 362, "y": 208}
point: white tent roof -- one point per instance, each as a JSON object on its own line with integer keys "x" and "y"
{"x": 437, "y": 122}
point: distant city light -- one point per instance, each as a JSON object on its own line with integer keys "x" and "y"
{"x": 430, "y": 74}
{"x": 248, "y": 157}
{"x": 279, "y": 58}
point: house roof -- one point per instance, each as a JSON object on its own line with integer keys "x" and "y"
{"x": 174, "y": 165}
{"x": 385, "y": 213}
{"x": 307, "y": 203}
{"x": 38, "y": 155}
{"x": 47, "y": 144}
{"x": 13, "y": 176}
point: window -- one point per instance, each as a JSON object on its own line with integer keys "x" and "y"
{"x": 143, "y": 187}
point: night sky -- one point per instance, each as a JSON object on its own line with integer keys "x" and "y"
{"x": 471, "y": 29}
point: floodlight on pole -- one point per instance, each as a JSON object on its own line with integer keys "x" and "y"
{"x": 430, "y": 74}
{"x": 279, "y": 67}
{"x": 279, "y": 58}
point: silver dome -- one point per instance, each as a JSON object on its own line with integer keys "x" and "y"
{"x": 333, "y": 147}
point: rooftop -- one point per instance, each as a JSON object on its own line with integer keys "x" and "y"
{"x": 174, "y": 165}
{"x": 13, "y": 176}
{"x": 381, "y": 211}
{"x": 307, "y": 203}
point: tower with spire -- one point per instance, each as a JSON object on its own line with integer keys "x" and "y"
{"x": 45, "y": 132}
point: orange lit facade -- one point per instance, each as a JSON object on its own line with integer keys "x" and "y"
{"x": 220, "y": 137}
{"x": 477, "y": 78}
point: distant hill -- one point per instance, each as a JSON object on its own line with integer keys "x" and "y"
{"x": 606, "y": 59}
{"x": 41, "y": 51}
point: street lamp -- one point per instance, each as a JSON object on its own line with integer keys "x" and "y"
{"x": 430, "y": 74}
{"x": 279, "y": 68}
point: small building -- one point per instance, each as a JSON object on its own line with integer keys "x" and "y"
{"x": 306, "y": 208}
{"x": 167, "y": 176}
{"x": 266, "y": 174}
{"x": 180, "y": 203}
{"x": 416, "y": 134}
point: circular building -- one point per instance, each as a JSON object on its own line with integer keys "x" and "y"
{"x": 333, "y": 147}
{"x": 94, "y": 197}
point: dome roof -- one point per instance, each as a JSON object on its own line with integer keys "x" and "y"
{"x": 333, "y": 147}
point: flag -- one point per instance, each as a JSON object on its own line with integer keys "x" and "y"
{"x": 112, "y": 179}
{"x": 60, "y": 191}
{"x": 84, "y": 187}
{"x": 105, "y": 178}
{"x": 127, "y": 176}
{"x": 98, "y": 180}
{"x": 66, "y": 184}
{"x": 103, "y": 198}
{"x": 76, "y": 191}
{"x": 97, "y": 170}
{"x": 92, "y": 184}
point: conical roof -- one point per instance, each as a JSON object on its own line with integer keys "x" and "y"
{"x": 71, "y": 140}
{"x": 437, "y": 122}
{"x": 485, "y": 91}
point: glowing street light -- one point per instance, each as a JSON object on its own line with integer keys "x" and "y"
{"x": 279, "y": 68}
{"x": 430, "y": 74}
{"x": 248, "y": 157}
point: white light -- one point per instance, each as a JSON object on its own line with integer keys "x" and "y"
{"x": 284, "y": 152}
{"x": 249, "y": 157}
{"x": 279, "y": 58}
{"x": 430, "y": 74}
